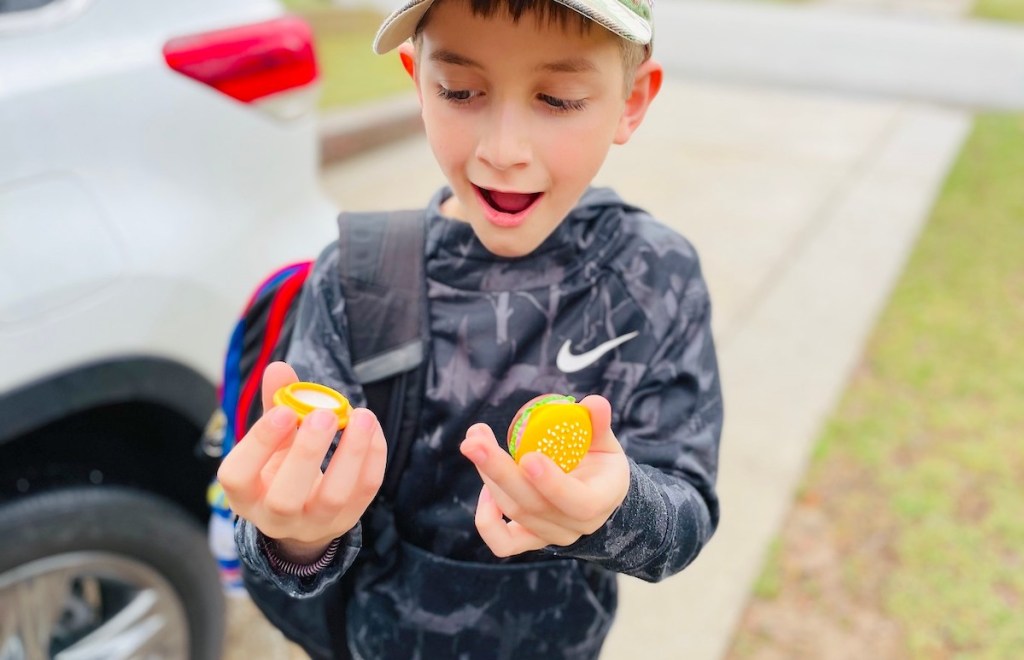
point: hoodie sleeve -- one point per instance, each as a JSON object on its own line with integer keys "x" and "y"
{"x": 670, "y": 428}
{"x": 300, "y": 608}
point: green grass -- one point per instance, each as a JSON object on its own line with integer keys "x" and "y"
{"x": 350, "y": 72}
{"x": 1003, "y": 10}
{"x": 953, "y": 345}
{"x": 769, "y": 583}
{"x": 934, "y": 421}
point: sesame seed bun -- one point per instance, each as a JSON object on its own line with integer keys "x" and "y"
{"x": 554, "y": 425}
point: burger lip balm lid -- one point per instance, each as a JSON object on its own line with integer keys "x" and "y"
{"x": 554, "y": 425}
{"x": 520, "y": 425}
{"x": 304, "y": 398}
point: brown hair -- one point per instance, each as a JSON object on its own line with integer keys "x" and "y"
{"x": 550, "y": 12}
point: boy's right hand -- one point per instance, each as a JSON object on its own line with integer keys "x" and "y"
{"x": 272, "y": 477}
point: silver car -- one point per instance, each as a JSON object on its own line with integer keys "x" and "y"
{"x": 157, "y": 159}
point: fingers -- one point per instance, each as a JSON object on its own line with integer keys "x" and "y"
{"x": 300, "y": 470}
{"x": 356, "y": 470}
{"x": 275, "y": 474}
{"x": 545, "y": 522}
{"x": 586, "y": 498}
{"x": 601, "y": 421}
{"x": 276, "y": 376}
{"x": 514, "y": 492}
{"x": 504, "y": 539}
{"x": 496, "y": 465}
{"x": 539, "y": 497}
{"x": 240, "y": 471}
{"x": 571, "y": 496}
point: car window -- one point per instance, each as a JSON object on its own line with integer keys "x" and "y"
{"x": 18, "y": 16}
{"x": 8, "y": 6}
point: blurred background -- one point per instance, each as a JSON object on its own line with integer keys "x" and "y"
{"x": 848, "y": 170}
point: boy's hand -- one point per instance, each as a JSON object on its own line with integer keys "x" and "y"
{"x": 272, "y": 477}
{"x": 545, "y": 505}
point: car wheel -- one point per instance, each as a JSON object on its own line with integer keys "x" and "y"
{"x": 105, "y": 572}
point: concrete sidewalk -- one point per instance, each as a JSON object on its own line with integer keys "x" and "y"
{"x": 803, "y": 206}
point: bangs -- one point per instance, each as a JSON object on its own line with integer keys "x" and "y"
{"x": 543, "y": 11}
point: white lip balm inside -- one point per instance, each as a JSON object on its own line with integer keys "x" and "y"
{"x": 315, "y": 398}
{"x": 304, "y": 398}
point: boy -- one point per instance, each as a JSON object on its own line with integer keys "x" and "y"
{"x": 536, "y": 284}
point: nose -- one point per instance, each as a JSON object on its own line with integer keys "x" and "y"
{"x": 505, "y": 142}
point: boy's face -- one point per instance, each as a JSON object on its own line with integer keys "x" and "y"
{"x": 519, "y": 116}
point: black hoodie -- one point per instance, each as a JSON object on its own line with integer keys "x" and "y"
{"x": 612, "y": 303}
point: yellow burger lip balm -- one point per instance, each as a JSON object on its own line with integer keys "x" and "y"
{"x": 304, "y": 398}
{"x": 554, "y": 425}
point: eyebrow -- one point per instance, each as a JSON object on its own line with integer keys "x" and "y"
{"x": 451, "y": 57}
{"x": 567, "y": 65}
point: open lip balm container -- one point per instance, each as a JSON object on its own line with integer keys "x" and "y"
{"x": 304, "y": 398}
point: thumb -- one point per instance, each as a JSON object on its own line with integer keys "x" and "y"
{"x": 601, "y": 420}
{"x": 276, "y": 376}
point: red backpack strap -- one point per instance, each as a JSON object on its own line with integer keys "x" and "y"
{"x": 286, "y": 295}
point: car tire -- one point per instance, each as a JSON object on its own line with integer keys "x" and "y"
{"x": 108, "y": 572}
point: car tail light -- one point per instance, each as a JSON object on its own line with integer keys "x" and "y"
{"x": 251, "y": 63}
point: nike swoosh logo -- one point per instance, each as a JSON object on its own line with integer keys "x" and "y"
{"x": 569, "y": 363}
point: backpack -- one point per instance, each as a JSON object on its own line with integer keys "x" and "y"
{"x": 382, "y": 279}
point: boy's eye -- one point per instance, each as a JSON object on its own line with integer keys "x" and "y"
{"x": 562, "y": 105}
{"x": 456, "y": 96}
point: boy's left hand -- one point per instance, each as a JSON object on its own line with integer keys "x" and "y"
{"x": 546, "y": 506}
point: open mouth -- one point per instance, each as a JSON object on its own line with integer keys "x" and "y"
{"x": 509, "y": 203}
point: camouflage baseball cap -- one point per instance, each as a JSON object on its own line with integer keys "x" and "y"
{"x": 630, "y": 19}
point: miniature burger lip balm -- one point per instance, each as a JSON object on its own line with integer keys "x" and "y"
{"x": 554, "y": 425}
{"x": 304, "y": 398}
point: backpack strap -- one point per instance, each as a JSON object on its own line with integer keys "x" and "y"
{"x": 260, "y": 337}
{"x": 384, "y": 284}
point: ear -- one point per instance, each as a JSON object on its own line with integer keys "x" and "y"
{"x": 646, "y": 84}
{"x": 407, "y": 53}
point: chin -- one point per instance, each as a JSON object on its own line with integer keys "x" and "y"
{"x": 508, "y": 247}
{"x": 503, "y": 249}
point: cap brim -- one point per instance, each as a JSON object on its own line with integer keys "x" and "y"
{"x": 400, "y": 25}
{"x": 610, "y": 14}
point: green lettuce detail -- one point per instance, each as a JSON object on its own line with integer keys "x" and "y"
{"x": 513, "y": 441}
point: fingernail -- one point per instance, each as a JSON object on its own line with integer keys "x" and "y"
{"x": 533, "y": 467}
{"x": 322, "y": 420}
{"x": 281, "y": 417}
